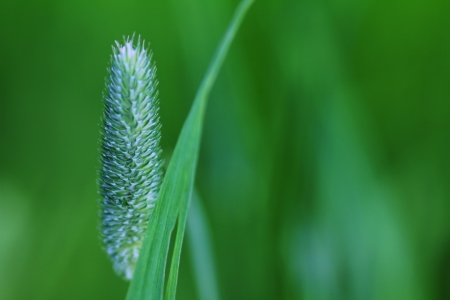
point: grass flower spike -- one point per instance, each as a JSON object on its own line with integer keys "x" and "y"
{"x": 131, "y": 171}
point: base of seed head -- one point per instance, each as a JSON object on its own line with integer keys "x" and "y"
{"x": 131, "y": 171}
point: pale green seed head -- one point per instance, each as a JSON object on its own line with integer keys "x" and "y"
{"x": 131, "y": 172}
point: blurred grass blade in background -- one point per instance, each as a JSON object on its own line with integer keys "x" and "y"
{"x": 176, "y": 189}
{"x": 201, "y": 250}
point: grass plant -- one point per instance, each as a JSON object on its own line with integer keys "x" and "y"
{"x": 131, "y": 173}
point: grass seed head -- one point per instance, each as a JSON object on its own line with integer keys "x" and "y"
{"x": 131, "y": 171}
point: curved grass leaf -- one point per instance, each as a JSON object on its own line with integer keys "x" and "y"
{"x": 176, "y": 189}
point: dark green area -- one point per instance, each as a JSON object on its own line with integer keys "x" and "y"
{"x": 324, "y": 167}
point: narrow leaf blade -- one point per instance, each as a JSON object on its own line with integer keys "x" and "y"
{"x": 176, "y": 189}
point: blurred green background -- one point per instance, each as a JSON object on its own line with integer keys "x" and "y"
{"x": 324, "y": 166}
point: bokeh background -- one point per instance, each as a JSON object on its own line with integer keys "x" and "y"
{"x": 324, "y": 169}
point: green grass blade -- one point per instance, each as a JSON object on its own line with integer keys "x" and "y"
{"x": 176, "y": 189}
{"x": 199, "y": 242}
{"x": 200, "y": 104}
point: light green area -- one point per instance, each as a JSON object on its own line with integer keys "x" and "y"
{"x": 201, "y": 250}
